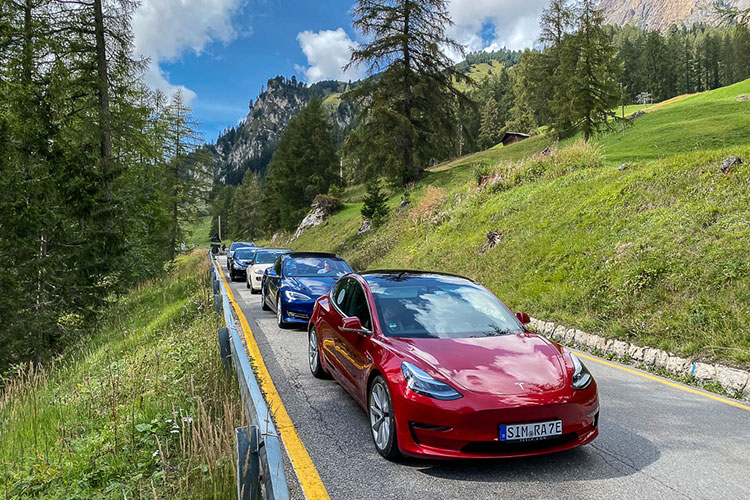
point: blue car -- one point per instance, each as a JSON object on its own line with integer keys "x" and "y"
{"x": 241, "y": 259}
{"x": 296, "y": 280}
{"x": 234, "y": 246}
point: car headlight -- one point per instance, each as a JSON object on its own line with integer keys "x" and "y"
{"x": 581, "y": 375}
{"x": 295, "y": 295}
{"x": 259, "y": 272}
{"x": 420, "y": 382}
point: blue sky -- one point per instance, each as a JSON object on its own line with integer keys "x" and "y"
{"x": 220, "y": 52}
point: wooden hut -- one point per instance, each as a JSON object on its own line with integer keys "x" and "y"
{"x": 512, "y": 138}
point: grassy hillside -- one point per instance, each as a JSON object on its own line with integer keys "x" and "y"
{"x": 655, "y": 254}
{"x": 141, "y": 410}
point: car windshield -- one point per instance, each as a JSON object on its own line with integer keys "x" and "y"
{"x": 238, "y": 244}
{"x": 244, "y": 253}
{"x": 300, "y": 267}
{"x": 268, "y": 256}
{"x": 436, "y": 306}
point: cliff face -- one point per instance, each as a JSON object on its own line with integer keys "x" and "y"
{"x": 661, "y": 14}
{"x": 251, "y": 144}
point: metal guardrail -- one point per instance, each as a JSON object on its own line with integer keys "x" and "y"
{"x": 260, "y": 466}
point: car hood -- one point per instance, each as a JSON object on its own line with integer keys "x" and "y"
{"x": 314, "y": 287}
{"x": 503, "y": 365}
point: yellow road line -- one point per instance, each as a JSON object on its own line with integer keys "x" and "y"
{"x": 665, "y": 382}
{"x": 308, "y": 475}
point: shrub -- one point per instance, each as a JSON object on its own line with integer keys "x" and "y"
{"x": 328, "y": 204}
{"x": 578, "y": 156}
{"x": 374, "y": 208}
{"x": 482, "y": 172}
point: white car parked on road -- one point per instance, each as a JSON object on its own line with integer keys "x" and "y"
{"x": 263, "y": 260}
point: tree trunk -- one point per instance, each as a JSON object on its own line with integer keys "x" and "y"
{"x": 407, "y": 93}
{"x": 105, "y": 128}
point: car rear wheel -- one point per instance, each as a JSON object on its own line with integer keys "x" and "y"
{"x": 279, "y": 315}
{"x": 382, "y": 421}
{"x": 313, "y": 355}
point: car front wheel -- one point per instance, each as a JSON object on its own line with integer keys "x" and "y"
{"x": 279, "y": 315}
{"x": 263, "y": 303}
{"x": 313, "y": 354}
{"x": 382, "y": 421}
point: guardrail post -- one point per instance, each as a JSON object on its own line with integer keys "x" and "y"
{"x": 215, "y": 284}
{"x": 217, "y": 303}
{"x": 248, "y": 463}
{"x": 225, "y": 350}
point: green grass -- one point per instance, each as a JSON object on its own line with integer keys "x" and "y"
{"x": 479, "y": 72}
{"x": 199, "y": 233}
{"x": 142, "y": 409}
{"x": 656, "y": 254}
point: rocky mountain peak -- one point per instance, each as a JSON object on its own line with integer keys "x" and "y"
{"x": 661, "y": 14}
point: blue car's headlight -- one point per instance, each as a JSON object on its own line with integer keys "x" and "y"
{"x": 296, "y": 295}
{"x": 420, "y": 382}
{"x": 581, "y": 375}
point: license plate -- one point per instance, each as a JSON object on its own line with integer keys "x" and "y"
{"x": 529, "y": 432}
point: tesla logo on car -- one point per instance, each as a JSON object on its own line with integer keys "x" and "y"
{"x": 520, "y": 384}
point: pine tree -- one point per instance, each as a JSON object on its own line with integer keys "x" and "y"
{"x": 188, "y": 169}
{"x": 304, "y": 165}
{"x": 557, "y": 62}
{"x": 244, "y": 214}
{"x": 374, "y": 208}
{"x": 594, "y": 90}
{"x": 492, "y": 125}
{"x": 408, "y": 113}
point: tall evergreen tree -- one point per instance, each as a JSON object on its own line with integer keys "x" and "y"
{"x": 492, "y": 124}
{"x": 188, "y": 169}
{"x": 595, "y": 91}
{"x": 304, "y": 165}
{"x": 245, "y": 211}
{"x": 408, "y": 112}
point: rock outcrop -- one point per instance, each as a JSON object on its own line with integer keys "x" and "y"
{"x": 661, "y": 14}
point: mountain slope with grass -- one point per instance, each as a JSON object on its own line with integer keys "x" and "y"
{"x": 654, "y": 252}
{"x": 142, "y": 409}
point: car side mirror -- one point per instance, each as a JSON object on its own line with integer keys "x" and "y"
{"x": 270, "y": 273}
{"x": 354, "y": 325}
{"x": 523, "y": 318}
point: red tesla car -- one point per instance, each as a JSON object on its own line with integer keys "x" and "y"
{"x": 446, "y": 370}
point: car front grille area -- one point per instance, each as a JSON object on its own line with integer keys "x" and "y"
{"x": 502, "y": 447}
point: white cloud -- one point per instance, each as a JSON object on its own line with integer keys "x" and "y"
{"x": 516, "y": 23}
{"x": 165, "y": 29}
{"x": 327, "y": 53}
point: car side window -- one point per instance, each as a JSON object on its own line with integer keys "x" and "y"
{"x": 339, "y": 293}
{"x": 356, "y": 304}
{"x": 277, "y": 266}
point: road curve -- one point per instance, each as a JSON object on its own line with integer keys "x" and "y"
{"x": 655, "y": 441}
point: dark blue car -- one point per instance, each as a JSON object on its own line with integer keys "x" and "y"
{"x": 296, "y": 280}
{"x": 241, "y": 259}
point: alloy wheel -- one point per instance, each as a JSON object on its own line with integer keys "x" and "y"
{"x": 382, "y": 421}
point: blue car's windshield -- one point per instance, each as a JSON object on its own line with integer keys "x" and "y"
{"x": 435, "y": 306}
{"x": 301, "y": 267}
{"x": 244, "y": 253}
{"x": 268, "y": 256}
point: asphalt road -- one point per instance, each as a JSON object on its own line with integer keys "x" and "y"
{"x": 655, "y": 441}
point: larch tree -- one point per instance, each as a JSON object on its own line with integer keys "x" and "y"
{"x": 408, "y": 110}
{"x": 595, "y": 91}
